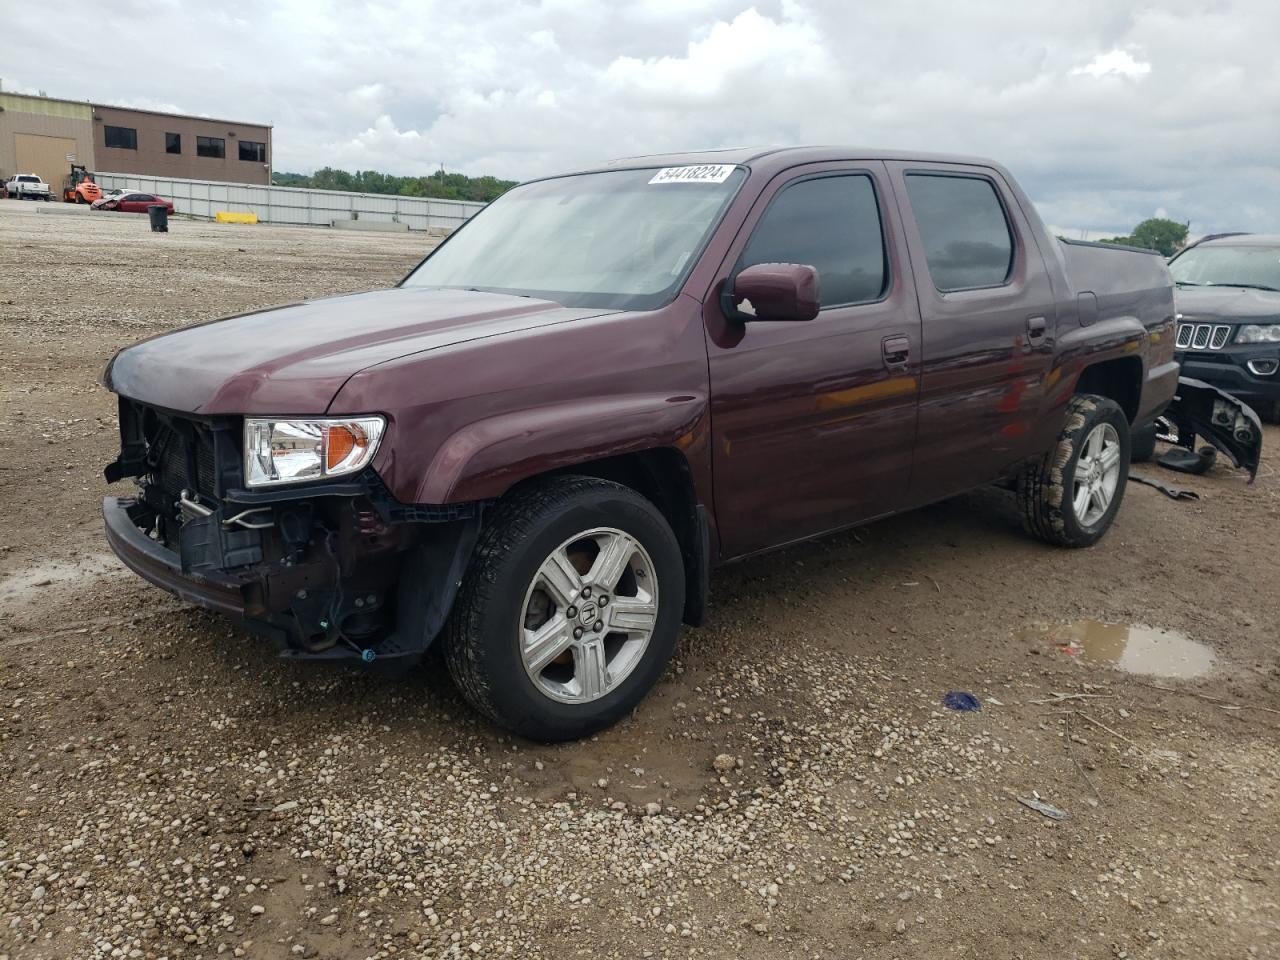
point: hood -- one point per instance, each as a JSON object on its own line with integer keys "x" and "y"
{"x": 294, "y": 359}
{"x": 1241, "y": 304}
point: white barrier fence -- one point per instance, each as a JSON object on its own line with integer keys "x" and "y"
{"x": 294, "y": 205}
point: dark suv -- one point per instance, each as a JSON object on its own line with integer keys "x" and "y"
{"x": 1229, "y": 316}
{"x": 536, "y": 447}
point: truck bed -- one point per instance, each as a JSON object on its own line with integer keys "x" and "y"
{"x": 1107, "y": 270}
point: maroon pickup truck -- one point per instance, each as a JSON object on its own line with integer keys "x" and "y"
{"x": 536, "y": 447}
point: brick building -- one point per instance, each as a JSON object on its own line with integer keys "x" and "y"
{"x": 45, "y": 135}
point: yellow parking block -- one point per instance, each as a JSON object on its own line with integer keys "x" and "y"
{"x": 226, "y": 216}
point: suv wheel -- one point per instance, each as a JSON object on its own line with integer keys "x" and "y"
{"x": 1071, "y": 496}
{"x": 570, "y": 608}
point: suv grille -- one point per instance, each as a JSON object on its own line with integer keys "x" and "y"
{"x": 1202, "y": 336}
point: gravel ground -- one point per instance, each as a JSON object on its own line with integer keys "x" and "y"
{"x": 792, "y": 788}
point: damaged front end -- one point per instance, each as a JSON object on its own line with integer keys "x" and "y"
{"x": 1231, "y": 426}
{"x": 330, "y": 569}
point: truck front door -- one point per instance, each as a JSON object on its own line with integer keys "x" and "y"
{"x": 813, "y": 422}
{"x": 989, "y": 320}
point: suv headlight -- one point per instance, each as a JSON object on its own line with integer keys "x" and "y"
{"x": 1255, "y": 333}
{"x": 291, "y": 451}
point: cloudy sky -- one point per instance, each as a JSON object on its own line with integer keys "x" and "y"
{"x": 1109, "y": 111}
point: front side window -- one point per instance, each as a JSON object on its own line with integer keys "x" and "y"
{"x": 966, "y": 237}
{"x": 214, "y": 147}
{"x": 623, "y": 239}
{"x": 126, "y": 138}
{"x": 173, "y": 143}
{"x": 1229, "y": 265}
{"x": 831, "y": 224}
{"x": 252, "y": 150}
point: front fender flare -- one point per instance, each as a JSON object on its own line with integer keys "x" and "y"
{"x": 484, "y": 459}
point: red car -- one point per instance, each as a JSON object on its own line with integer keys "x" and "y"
{"x": 131, "y": 203}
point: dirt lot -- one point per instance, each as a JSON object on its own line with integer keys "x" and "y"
{"x": 169, "y": 790}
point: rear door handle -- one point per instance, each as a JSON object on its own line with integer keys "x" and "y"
{"x": 896, "y": 351}
{"x": 1036, "y": 328}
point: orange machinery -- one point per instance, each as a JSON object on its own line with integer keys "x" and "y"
{"x": 79, "y": 186}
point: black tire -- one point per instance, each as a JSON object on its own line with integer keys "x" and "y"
{"x": 1046, "y": 487}
{"x": 1142, "y": 443}
{"x": 482, "y": 638}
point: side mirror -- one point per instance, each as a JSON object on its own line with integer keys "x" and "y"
{"x": 774, "y": 291}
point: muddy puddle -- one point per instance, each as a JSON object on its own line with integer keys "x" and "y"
{"x": 1133, "y": 648}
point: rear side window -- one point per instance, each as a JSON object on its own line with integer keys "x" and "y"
{"x": 832, "y": 224}
{"x": 966, "y": 237}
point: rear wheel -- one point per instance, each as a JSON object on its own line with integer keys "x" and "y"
{"x": 1070, "y": 497}
{"x": 570, "y": 608}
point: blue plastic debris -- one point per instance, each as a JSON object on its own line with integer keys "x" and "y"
{"x": 960, "y": 700}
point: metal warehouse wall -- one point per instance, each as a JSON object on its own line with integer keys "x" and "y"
{"x": 294, "y": 205}
{"x": 30, "y": 120}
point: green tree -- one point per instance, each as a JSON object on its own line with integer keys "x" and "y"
{"x": 1157, "y": 233}
{"x": 440, "y": 185}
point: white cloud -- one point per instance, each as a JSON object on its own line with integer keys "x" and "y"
{"x": 1119, "y": 63}
{"x": 1107, "y": 110}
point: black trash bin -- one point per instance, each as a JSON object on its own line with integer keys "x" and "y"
{"x": 159, "y": 215}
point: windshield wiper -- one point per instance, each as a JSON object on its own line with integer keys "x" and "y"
{"x": 1249, "y": 286}
{"x": 1188, "y": 283}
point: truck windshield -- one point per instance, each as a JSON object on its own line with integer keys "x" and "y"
{"x": 622, "y": 239}
{"x": 1229, "y": 266}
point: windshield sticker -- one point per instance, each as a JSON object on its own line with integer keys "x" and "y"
{"x": 704, "y": 173}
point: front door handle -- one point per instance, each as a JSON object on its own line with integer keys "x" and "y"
{"x": 1036, "y": 328}
{"x": 896, "y": 351}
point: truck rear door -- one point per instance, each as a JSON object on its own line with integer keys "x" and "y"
{"x": 989, "y": 318}
{"x": 813, "y": 422}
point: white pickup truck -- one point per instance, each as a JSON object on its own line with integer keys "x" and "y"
{"x": 28, "y": 186}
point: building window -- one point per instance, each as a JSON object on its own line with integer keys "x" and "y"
{"x": 126, "y": 138}
{"x": 211, "y": 147}
{"x": 252, "y": 150}
{"x": 173, "y": 143}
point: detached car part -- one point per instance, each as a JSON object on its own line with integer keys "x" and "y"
{"x": 1201, "y": 409}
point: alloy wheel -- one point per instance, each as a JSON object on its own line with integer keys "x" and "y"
{"x": 1097, "y": 474}
{"x": 588, "y": 615}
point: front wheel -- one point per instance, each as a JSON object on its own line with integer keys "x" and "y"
{"x": 1070, "y": 497}
{"x": 569, "y": 610}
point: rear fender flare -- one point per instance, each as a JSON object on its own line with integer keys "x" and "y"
{"x": 484, "y": 459}
{"x": 1078, "y": 349}
{"x": 1105, "y": 340}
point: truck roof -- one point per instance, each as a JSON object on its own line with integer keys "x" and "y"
{"x": 782, "y": 157}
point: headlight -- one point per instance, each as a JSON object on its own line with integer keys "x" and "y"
{"x": 290, "y": 451}
{"x": 1253, "y": 333}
